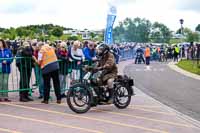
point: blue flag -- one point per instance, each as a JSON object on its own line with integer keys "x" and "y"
{"x": 108, "y": 37}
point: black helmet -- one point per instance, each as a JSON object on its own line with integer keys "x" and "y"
{"x": 102, "y": 49}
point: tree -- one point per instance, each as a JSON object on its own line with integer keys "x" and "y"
{"x": 192, "y": 37}
{"x": 135, "y": 30}
{"x": 118, "y": 33}
{"x": 20, "y": 32}
{"x": 73, "y": 38}
{"x": 178, "y": 31}
{"x": 2, "y": 29}
{"x": 33, "y": 31}
{"x": 64, "y": 37}
{"x": 93, "y": 35}
{"x": 198, "y": 28}
{"x": 160, "y": 33}
{"x": 12, "y": 33}
{"x": 58, "y": 32}
{"x": 175, "y": 41}
{"x": 187, "y": 31}
{"x": 52, "y": 38}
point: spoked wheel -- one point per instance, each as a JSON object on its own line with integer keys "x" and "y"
{"x": 79, "y": 98}
{"x": 122, "y": 97}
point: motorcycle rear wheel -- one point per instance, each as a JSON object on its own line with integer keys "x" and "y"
{"x": 122, "y": 92}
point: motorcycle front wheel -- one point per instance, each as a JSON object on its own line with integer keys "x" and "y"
{"x": 79, "y": 98}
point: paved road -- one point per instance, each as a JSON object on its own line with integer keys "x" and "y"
{"x": 144, "y": 115}
{"x": 169, "y": 87}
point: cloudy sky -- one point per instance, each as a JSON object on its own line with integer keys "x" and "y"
{"x": 91, "y": 14}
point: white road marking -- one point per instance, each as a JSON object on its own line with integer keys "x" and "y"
{"x": 150, "y": 70}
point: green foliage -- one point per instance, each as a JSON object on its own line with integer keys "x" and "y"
{"x": 12, "y": 33}
{"x": 80, "y": 37}
{"x": 175, "y": 41}
{"x": 58, "y": 32}
{"x": 52, "y": 38}
{"x": 160, "y": 33}
{"x": 73, "y": 38}
{"x": 178, "y": 31}
{"x": 99, "y": 38}
{"x": 93, "y": 35}
{"x": 8, "y": 33}
{"x": 118, "y": 33}
{"x": 2, "y": 29}
{"x": 64, "y": 37}
{"x": 4, "y": 36}
{"x": 187, "y": 31}
{"x": 198, "y": 28}
{"x": 192, "y": 37}
{"x": 141, "y": 30}
{"x": 34, "y": 31}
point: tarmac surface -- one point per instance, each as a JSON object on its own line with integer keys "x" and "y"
{"x": 144, "y": 115}
{"x": 169, "y": 87}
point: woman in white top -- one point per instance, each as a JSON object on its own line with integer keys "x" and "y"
{"x": 76, "y": 58}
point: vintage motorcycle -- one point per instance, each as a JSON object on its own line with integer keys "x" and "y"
{"x": 89, "y": 93}
{"x": 139, "y": 58}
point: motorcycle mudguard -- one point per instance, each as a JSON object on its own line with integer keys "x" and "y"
{"x": 129, "y": 83}
{"x": 86, "y": 87}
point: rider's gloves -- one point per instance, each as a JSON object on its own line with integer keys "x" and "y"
{"x": 100, "y": 68}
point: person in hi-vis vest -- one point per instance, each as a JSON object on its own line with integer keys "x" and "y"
{"x": 48, "y": 62}
{"x": 147, "y": 55}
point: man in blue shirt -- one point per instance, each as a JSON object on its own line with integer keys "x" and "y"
{"x": 89, "y": 52}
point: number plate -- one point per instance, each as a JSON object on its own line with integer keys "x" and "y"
{"x": 87, "y": 76}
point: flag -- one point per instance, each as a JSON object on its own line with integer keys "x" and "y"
{"x": 108, "y": 36}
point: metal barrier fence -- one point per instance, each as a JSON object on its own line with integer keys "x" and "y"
{"x": 20, "y": 74}
{"x": 15, "y": 75}
{"x": 127, "y": 54}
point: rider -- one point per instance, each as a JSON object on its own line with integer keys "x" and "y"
{"x": 107, "y": 64}
{"x": 162, "y": 51}
{"x": 139, "y": 52}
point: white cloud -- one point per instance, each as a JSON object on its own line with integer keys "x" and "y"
{"x": 92, "y": 13}
{"x": 191, "y": 5}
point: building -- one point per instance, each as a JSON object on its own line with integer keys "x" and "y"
{"x": 86, "y": 34}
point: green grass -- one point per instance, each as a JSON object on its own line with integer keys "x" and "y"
{"x": 190, "y": 66}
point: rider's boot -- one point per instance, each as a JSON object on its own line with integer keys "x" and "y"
{"x": 111, "y": 99}
{"x": 94, "y": 101}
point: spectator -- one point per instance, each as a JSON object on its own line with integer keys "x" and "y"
{"x": 48, "y": 62}
{"x": 116, "y": 52}
{"x": 5, "y": 61}
{"x": 76, "y": 57}
{"x": 147, "y": 54}
{"x": 14, "y": 47}
{"x": 38, "y": 72}
{"x": 176, "y": 53}
{"x": 183, "y": 51}
{"x": 154, "y": 54}
{"x": 193, "y": 51}
{"x": 36, "y": 69}
{"x": 62, "y": 55}
{"x": 89, "y": 52}
{"x": 85, "y": 44}
{"x": 25, "y": 63}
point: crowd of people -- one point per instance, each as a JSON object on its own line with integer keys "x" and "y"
{"x": 31, "y": 55}
{"x": 61, "y": 61}
{"x": 163, "y": 53}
